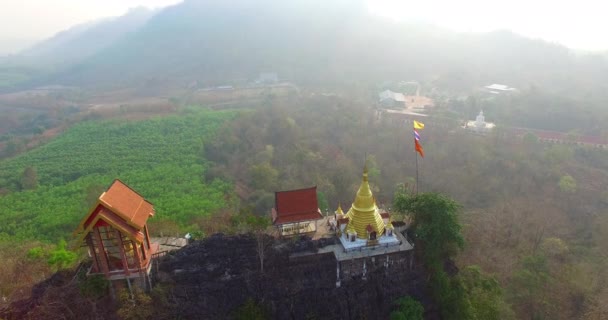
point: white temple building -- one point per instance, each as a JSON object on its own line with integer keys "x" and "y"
{"x": 479, "y": 125}
{"x": 498, "y": 89}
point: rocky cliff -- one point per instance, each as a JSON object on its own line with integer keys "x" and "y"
{"x": 213, "y": 278}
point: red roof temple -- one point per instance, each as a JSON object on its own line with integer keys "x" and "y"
{"x": 116, "y": 234}
{"x": 295, "y": 210}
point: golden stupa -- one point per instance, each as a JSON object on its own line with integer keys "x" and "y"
{"x": 339, "y": 211}
{"x": 364, "y": 216}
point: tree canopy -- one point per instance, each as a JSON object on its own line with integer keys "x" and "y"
{"x": 435, "y": 224}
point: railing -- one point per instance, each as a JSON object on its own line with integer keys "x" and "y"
{"x": 159, "y": 254}
{"x": 156, "y": 257}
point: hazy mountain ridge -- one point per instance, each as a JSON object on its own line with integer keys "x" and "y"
{"x": 83, "y": 40}
{"x": 312, "y": 41}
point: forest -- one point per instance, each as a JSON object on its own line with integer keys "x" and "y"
{"x": 531, "y": 216}
{"x": 534, "y": 214}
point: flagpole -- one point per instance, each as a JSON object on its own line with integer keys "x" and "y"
{"x": 416, "y": 172}
{"x": 418, "y": 148}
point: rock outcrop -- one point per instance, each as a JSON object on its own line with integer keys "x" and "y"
{"x": 212, "y": 278}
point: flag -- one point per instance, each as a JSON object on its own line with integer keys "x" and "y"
{"x": 416, "y": 135}
{"x": 418, "y": 125}
{"x": 419, "y": 148}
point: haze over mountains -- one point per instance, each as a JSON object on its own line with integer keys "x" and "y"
{"x": 166, "y": 102}
{"x": 81, "y": 41}
{"x": 215, "y": 42}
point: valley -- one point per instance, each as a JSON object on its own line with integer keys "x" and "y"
{"x": 208, "y": 111}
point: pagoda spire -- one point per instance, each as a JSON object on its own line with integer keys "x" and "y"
{"x": 339, "y": 210}
{"x": 364, "y": 200}
{"x": 364, "y": 212}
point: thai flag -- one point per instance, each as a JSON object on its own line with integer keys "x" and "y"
{"x": 416, "y": 135}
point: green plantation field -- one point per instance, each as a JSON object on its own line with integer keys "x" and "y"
{"x": 160, "y": 158}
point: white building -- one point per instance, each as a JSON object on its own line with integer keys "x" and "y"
{"x": 498, "y": 88}
{"x": 479, "y": 125}
{"x": 390, "y": 99}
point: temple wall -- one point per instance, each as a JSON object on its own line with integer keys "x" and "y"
{"x": 397, "y": 262}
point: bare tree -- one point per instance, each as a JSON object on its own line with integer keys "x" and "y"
{"x": 262, "y": 230}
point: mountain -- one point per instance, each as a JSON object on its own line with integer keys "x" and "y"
{"x": 84, "y": 40}
{"x": 220, "y": 41}
{"x": 310, "y": 42}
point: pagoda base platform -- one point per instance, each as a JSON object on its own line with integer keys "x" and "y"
{"x": 396, "y": 243}
{"x": 363, "y": 244}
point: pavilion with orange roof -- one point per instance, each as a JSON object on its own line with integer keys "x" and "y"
{"x": 116, "y": 235}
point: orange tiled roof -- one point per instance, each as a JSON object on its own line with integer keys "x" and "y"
{"x": 101, "y": 213}
{"x": 127, "y": 203}
{"x": 128, "y": 208}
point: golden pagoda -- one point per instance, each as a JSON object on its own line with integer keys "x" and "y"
{"x": 339, "y": 211}
{"x": 364, "y": 216}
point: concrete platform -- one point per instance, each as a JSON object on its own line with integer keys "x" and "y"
{"x": 169, "y": 243}
{"x": 342, "y": 254}
{"x": 362, "y": 244}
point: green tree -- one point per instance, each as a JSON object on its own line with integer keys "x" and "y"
{"x": 250, "y": 310}
{"x": 451, "y": 296}
{"x": 35, "y": 253}
{"x": 13, "y": 146}
{"x": 323, "y": 205}
{"x": 567, "y": 184}
{"x": 529, "y": 286}
{"x": 530, "y": 139}
{"x": 263, "y": 176}
{"x": 92, "y": 194}
{"x": 29, "y": 179}
{"x": 408, "y": 308}
{"x": 61, "y": 258}
{"x": 95, "y": 286}
{"x": 438, "y": 238}
{"x": 485, "y": 295}
{"x": 372, "y": 167}
{"x": 435, "y": 224}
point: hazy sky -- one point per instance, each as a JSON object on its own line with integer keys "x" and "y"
{"x": 23, "y": 22}
{"x": 578, "y": 24}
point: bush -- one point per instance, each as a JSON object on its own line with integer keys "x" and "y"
{"x": 95, "y": 286}
{"x": 251, "y": 311}
{"x": 408, "y": 308}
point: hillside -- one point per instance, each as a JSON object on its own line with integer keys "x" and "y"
{"x": 37, "y": 64}
{"x": 81, "y": 41}
{"x": 533, "y": 213}
{"x": 217, "y": 43}
{"x": 49, "y": 189}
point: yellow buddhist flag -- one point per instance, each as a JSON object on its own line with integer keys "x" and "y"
{"x": 418, "y": 125}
